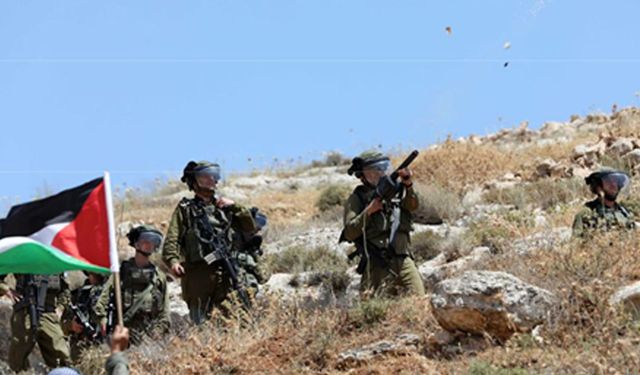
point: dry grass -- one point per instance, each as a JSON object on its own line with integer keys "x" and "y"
{"x": 583, "y": 334}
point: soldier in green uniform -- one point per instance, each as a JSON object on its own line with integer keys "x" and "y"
{"x": 145, "y": 297}
{"x": 604, "y": 213}
{"x": 194, "y": 224}
{"x": 39, "y": 302}
{"x": 84, "y": 300}
{"x": 381, "y": 229}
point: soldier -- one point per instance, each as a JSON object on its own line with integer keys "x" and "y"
{"x": 195, "y": 224}
{"x": 381, "y": 229}
{"x": 604, "y": 213}
{"x": 145, "y": 297}
{"x": 84, "y": 300}
{"x": 39, "y": 302}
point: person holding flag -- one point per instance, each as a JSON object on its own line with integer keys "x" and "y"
{"x": 144, "y": 289}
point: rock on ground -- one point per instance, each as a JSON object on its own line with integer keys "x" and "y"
{"x": 495, "y": 303}
{"x": 402, "y": 344}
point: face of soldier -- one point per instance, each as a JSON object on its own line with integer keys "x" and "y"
{"x": 94, "y": 279}
{"x": 610, "y": 189}
{"x": 372, "y": 176}
{"x": 207, "y": 182}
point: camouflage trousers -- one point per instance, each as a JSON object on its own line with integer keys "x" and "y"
{"x": 203, "y": 288}
{"x": 395, "y": 276}
{"x": 48, "y": 336}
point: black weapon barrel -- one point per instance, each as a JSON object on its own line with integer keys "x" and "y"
{"x": 412, "y": 156}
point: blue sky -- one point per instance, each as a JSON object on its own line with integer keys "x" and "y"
{"x": 141, "y": 87}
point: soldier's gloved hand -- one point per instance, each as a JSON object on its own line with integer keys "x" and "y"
{"x": 373, "y": 207}
{"x": 177, "y": 270}
{"x": 224, "y": 202}
{"x": 406, "y": 174}
{"x": 119, "y": 339}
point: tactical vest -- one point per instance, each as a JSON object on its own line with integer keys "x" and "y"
{"x": 49, "y": 285}
{"x": 605, "y": 218}
{"x": 379, "y": 225}
{"x": 135, "y": 281}
{"x": 196, "y": 236}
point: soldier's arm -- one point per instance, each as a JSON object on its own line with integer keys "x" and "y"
{"x": 171, "y": 248}
{"x": 101, "y": 307}
{"x": 353, "y": 218}
{"x": 165, "y": 314}
{"x": 242, "y": 218}
{"x": 411, "y": 200}
{"x": 117, "y": 364}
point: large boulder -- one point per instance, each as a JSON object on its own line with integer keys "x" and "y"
{"x": 439, "y": 268}
{"x": 632, "y": 157}
{"x": 621, "y": 146}
{"x": 495, "y": 303}
{"x": 629, "y": 297}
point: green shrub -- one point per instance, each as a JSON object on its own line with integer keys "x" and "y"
{"x": 370, "y": 311}
{"x": 332, "y": 196}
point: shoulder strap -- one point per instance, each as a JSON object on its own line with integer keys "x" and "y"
{"x": 137, "y": 304}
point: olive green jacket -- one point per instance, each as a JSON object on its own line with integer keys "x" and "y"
{"x": 173, "y": 250}
{"x": 163, "y": 319}
{"x": 597, "y": 216}
{"x": 378, "y": 225}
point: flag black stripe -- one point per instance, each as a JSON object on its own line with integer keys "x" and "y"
{"x": 28, "y": 218}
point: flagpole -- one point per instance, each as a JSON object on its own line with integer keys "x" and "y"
{"x": 113, "y": 247}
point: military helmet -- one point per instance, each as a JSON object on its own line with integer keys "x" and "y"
{"x": 370, "y": 159}
{"x": 145, "y": 233}
{"x": 614, "y": 177}
{"x": 202, "y": 168}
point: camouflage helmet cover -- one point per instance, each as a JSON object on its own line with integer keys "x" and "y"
{"x": 367, "y": 159}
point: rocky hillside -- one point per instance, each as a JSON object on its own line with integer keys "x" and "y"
{"x": 509, "y": 290}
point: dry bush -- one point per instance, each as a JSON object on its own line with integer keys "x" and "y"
{"x": 455, "y": 166}
{"x": 332, "y": 196}
{"x": 332, "y": 159}
{"x": 584, "y": 333}
{"x": 282, "y": 338}
{"x": 437, "y": 204}
{"x": 286, "y": 208}
{"x": 545, "y": 194}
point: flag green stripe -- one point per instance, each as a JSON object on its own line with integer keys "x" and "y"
{"x": 33, "y": 257}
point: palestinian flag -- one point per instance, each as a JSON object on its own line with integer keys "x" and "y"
{"x": 67, "y": 231}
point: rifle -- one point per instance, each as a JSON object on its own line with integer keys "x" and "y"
{"x": 88, "y": 330}
{"x": 111, "y": 309}
{"x": 219, "y": 252}
{"x": 31, "y": 299}
{"x": 388, "y": 186}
